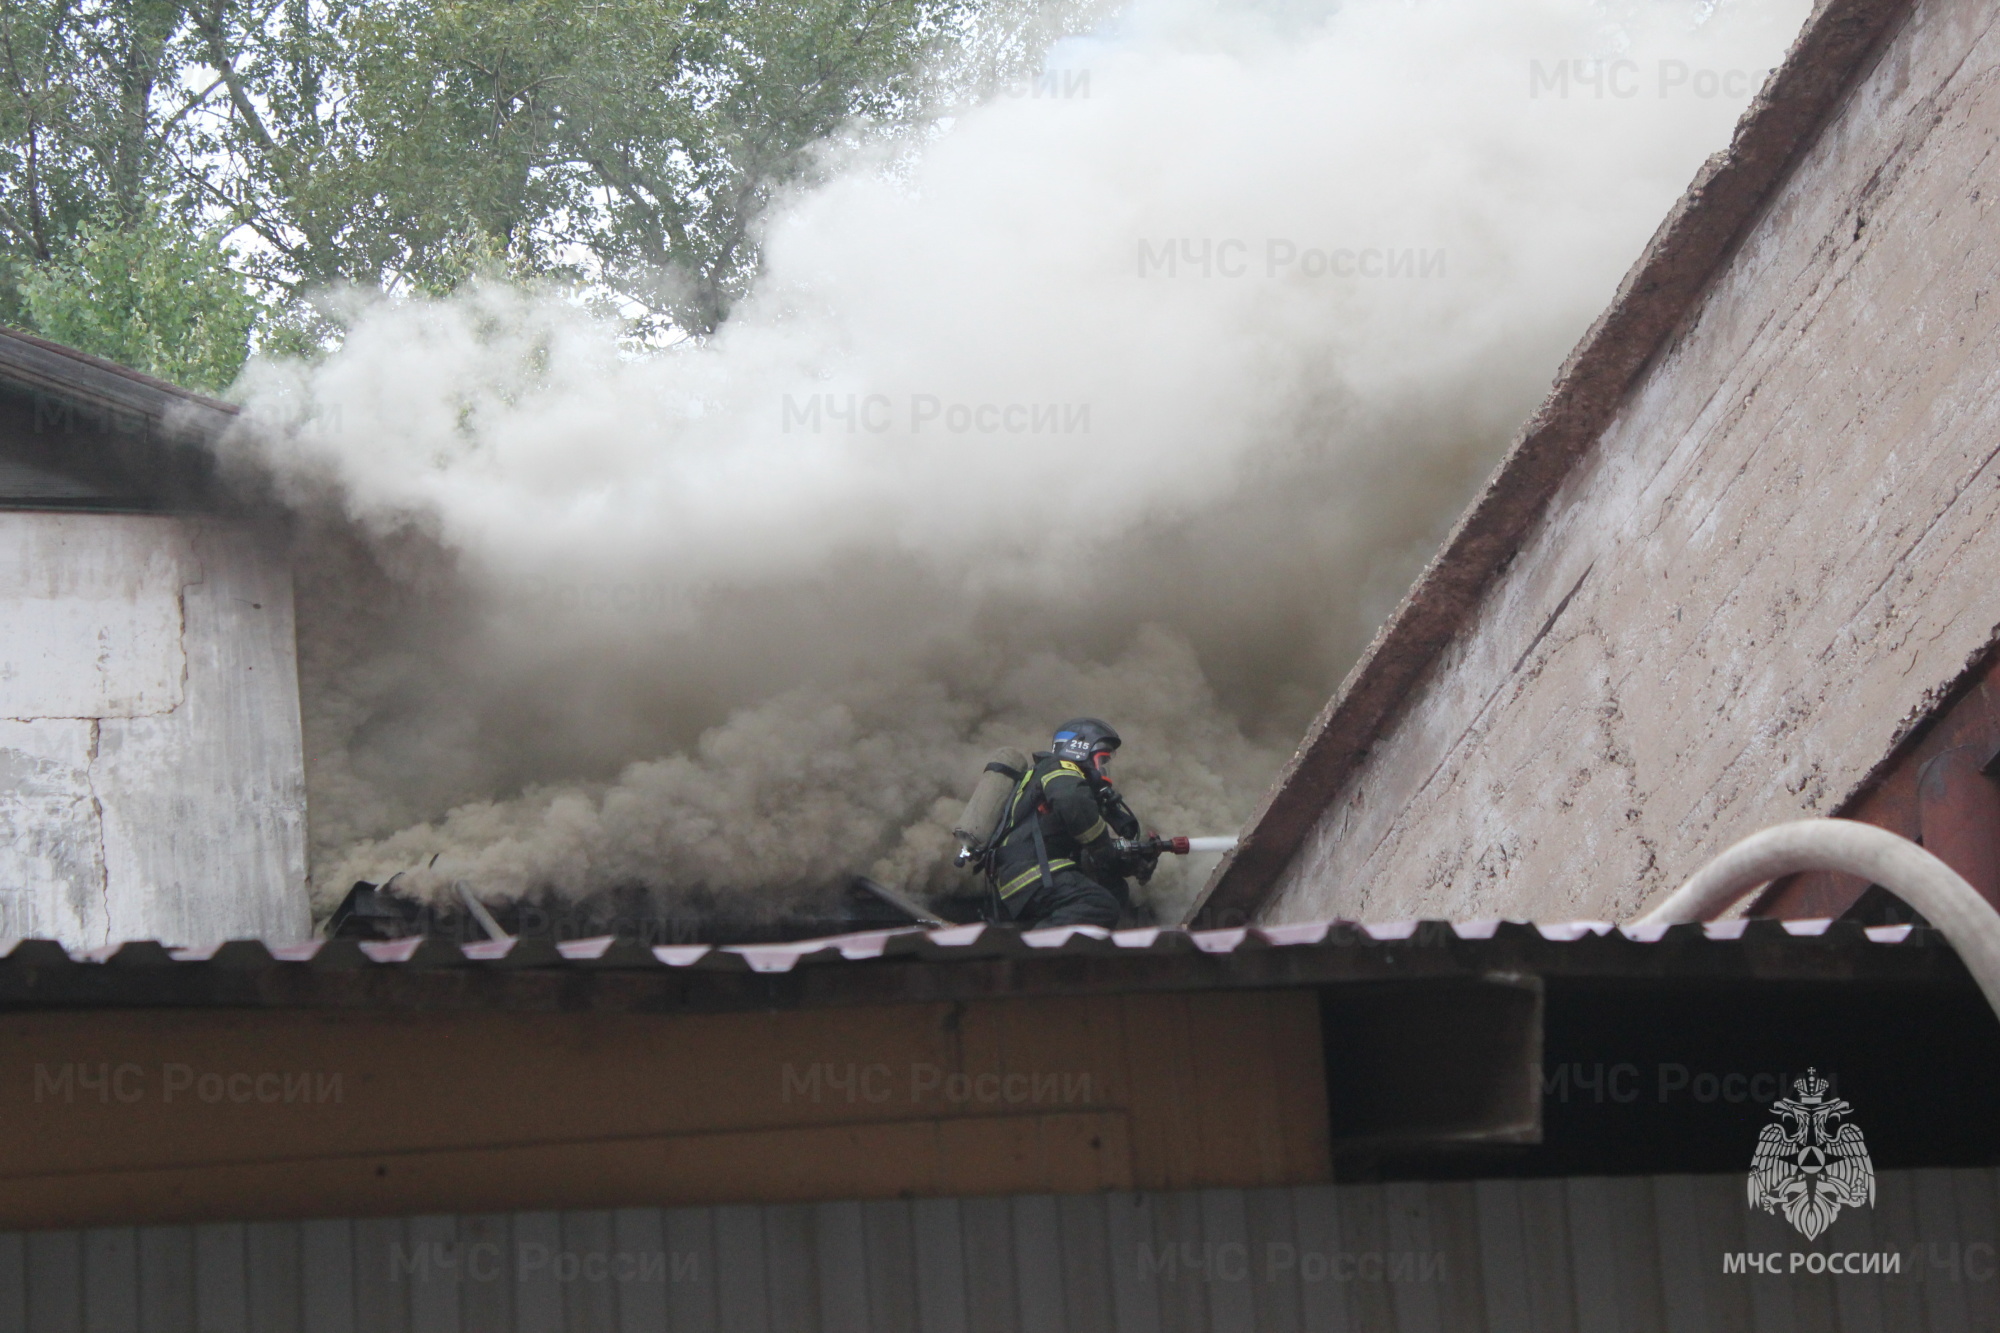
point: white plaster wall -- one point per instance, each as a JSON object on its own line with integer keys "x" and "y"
{"x": 1785, "y": 544}
{"x": 151, "y": 780}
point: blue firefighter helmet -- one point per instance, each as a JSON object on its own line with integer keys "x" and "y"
{"x": 1087, "y": 742}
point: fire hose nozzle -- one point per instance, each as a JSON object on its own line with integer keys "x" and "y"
{"x": 1155, "y": 846}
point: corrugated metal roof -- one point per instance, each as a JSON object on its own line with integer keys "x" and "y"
{"x": 942, "y": 944}
{"x": 972, "y": 962}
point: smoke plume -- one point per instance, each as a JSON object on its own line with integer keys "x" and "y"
{"x": 1140, "y": 389}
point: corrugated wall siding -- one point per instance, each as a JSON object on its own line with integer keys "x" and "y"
{"x": 1580, "y": 1254}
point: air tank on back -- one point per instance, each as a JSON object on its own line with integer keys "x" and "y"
{"x": 981, "y": 818}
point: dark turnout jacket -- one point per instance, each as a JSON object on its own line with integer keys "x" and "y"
{"x": 1056, "y": 796}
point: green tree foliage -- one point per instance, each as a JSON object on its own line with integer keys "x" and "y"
{"x": 152, "y": 295}
{"x": 91, "y": 104}
{"x": 624, "y": 146}
{"x": 628, "y": 142}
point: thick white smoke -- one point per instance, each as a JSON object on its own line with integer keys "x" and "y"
{"x": 1141, "y": 390}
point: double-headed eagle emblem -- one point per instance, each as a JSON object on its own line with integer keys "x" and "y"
{"x": 1811, "y": 1162}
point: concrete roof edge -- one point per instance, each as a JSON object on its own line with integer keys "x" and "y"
{"x": 1832, "y": 51}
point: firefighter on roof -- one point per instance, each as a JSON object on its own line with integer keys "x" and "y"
{"x": 1055, "y": 864}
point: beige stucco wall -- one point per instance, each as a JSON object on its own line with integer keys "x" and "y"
{"x": 1783, "y": 546}
{"x": 151, "y": 781}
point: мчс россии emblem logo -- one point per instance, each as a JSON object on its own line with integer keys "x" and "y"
{"x": 1811, "y": 1162}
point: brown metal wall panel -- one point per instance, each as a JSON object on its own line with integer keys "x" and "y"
{"x": 1931, "y": 790}
{"x": 278, "y": 1113}
{"x": 1229, "y": 1051}
{"x": 1160, "y": 1075}
{"x": 1297, "y": 1103}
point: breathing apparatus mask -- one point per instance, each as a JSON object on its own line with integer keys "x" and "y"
{"x": 1088, "y": 743}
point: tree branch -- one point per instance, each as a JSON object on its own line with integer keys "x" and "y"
{"x": 194, "y": 103}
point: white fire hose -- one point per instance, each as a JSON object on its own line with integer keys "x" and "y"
{"x": 1966, "y": 920}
